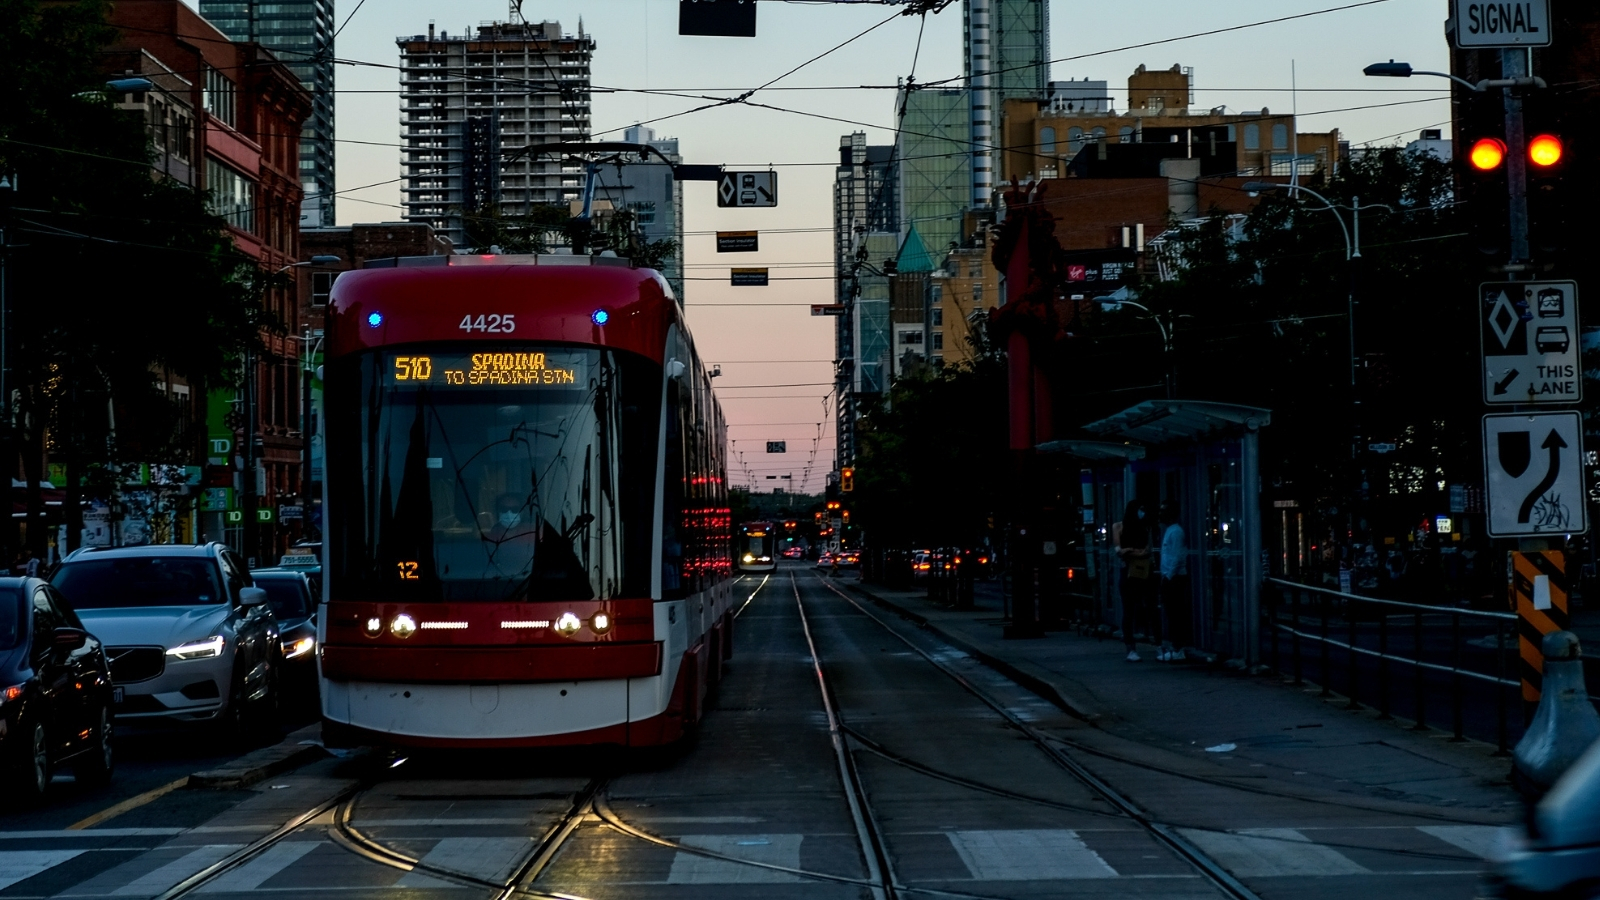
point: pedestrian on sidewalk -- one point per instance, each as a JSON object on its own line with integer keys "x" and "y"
{"x": 1175, "y": 602}
{"x": 1136, "y": 582}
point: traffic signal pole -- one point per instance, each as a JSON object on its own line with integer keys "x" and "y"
{"x": 1514, "y": 65}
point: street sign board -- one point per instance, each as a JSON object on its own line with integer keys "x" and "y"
{"x": 738, "y": 241}
{"x": 1534, "y": 474}
{"x": 749, "y": 278}
{"x": 829, "y": 309}
{"x": 1529, "y": 334}
{"x": 1496, "y": 23}
{"x": 748, "y": 189}
{"x": 777, "y": 446}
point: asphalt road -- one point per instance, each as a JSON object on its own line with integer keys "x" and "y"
{"x": 924, "y": 774}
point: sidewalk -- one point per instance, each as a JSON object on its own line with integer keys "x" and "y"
{"x": 1176, "y": 711}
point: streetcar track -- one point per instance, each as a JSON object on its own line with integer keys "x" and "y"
{"x": 1185, "y": 849}
{"x": 347, "y": 835}
{"x": 1488, "y": 818}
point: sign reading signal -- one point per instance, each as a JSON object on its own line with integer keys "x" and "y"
{"x": 1498, "y": 23}
{"x": 748, "y": 189}
{"x": 1529, "y": 336}
{"x": 1534, "y": 474}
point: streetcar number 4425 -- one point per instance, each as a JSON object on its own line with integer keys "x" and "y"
{"x": 497, "y": 324}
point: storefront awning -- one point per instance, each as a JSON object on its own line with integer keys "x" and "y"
{"x": 1163, "y": 421}
{"x": 1093, "y": 451}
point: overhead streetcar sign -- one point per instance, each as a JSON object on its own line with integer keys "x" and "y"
{"x": 1497, "y": 23}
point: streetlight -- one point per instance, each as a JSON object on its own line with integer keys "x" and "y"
{"x": 248, "y": 500}
{"x": 1166, "y": 322}
{"x": 1517, "y": 62}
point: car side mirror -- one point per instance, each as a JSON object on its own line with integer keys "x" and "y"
{"x": 252, "y": 596}
{"x": 68, "y": 640}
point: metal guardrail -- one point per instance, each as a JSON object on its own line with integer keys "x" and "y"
{"x": 1418, "y": 611}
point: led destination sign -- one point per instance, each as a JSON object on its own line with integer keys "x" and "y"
{"x": 509, "y": 370}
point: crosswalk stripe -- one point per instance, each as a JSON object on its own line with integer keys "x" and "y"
{"x": 772, "y": 849}
{"x": 254, "y": 873}
{"x": 19, "y": 865}
{"x": 492, "y": 858}
{"x": 1268, "y": 852}
{"x": 158, "y": 880}
{"x": 1038, "y": 855}
{"x": 1475, "y": 839}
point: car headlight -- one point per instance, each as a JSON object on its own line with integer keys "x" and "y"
{"x": 749, "y": 557}
{"x": 206, "y": 649}
{"x": 292, "y": 649}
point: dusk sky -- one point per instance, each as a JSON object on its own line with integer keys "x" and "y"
{"x": 776, "y": 358}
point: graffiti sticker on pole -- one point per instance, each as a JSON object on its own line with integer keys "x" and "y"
{"x": 1533, "y": 472}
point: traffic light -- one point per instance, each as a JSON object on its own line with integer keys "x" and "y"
{"x": 1549, "y": 193}
{"x": 847, "y": 479}
{"x": 1483, "y": 184}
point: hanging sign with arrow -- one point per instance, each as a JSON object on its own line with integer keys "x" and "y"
{"x": 746, "y": 189}
{"x": 1529, "y": 335}
{"x": 1534, "y": 474}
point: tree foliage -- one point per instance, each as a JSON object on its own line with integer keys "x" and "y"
{"x": 932, "y": 457}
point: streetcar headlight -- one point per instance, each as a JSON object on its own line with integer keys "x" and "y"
{"x": 403, "y": 626}
{"x": 568, "y": 624}
{"x": 374, "y": 626}
{"x": 206, "y": 649}
{"x": 749, "y": 557}
{"x": 600, "y": 623}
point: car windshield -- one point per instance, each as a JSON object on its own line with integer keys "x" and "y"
{"x": 133, "y": 581}
{"x": 10, "y": 618}
{"x": 285, "y": 594}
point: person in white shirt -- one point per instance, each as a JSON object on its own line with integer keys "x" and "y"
{"x": 1175, "y": 601}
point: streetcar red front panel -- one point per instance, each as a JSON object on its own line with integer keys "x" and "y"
{"x": 525, "y": 491}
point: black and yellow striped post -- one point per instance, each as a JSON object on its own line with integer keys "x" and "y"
{"x": 1539, "y": 591}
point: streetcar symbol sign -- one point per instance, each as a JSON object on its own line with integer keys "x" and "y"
{"x": 747, "y": 189}
{"x": 1529, "y": 335}
{"x": 1534, "y": 473}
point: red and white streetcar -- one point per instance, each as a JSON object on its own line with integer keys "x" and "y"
{"x": 526, "y": 532}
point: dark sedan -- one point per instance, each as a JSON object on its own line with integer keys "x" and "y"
{"x": 55, "y": 692}
{"x": 290, "y": 594}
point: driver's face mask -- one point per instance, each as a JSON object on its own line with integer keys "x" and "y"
{"x": 510, "y": 518}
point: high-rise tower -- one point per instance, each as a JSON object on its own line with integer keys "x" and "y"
{"x": 1007, "y": 56}
{"x": 300, "y": 34}
{"x": 469, "y": 102}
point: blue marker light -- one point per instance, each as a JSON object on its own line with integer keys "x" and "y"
{"x": 375, "y": 319}
{"x": 600, "y": 317}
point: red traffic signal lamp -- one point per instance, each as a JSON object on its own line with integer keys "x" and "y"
{"x": 847, "y": 479}
{"x": 833, "y": 505}
{"x": 1545, "y": 150}
{"x": 1487, "y": 154}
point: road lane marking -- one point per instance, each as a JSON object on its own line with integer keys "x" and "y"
{"x": 20, "y": 865}
{"x": 1268, "y": 852}
{"x": 96, "y": 833}
{"x": 772, "y": 849}
{"x": 1475, "y": 839}
{"x": 130, "y": 803}
{"x": 489, "y": 858}
{"x": 254, "y": 873}
{"x": 1037, "y": 855}
{"x": 154, "y": 882}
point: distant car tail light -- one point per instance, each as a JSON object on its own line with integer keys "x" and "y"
{"x": 206, "y": 649}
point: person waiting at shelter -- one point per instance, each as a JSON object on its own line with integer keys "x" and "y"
{"x": 1175, "y": 609}
{"x": 1131, "y": 538}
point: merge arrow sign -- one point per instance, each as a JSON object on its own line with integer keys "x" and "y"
{"x": 1555, "y": 445}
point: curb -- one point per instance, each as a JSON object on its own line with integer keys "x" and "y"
{"x": 292, "y": 752}
{"x": 1011, "y": 670}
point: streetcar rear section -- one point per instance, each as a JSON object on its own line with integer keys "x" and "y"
{"x": 528, "y": 541}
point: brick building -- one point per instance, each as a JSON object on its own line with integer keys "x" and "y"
{"x": 230, "y": 114}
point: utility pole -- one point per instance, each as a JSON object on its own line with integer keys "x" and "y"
{"x": 1515, "y": 63}
{"x": 249, "y": 530}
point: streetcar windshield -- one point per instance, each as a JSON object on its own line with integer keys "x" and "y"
{"x": 491, "y": 474}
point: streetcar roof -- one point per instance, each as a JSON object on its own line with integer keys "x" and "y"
{"x": 550, "y": 298}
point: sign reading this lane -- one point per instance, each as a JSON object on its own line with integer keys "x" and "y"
{"x": 1529, "y": 336}
{"x": 1498, "y": 23}
{"x": 1534, "y": 475}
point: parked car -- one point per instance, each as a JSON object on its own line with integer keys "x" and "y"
{"x": 794, "y": 553}
{"x": 56, "y": 693}
{"x": 290, "y": 594}
{"x": 188, "y": 636}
